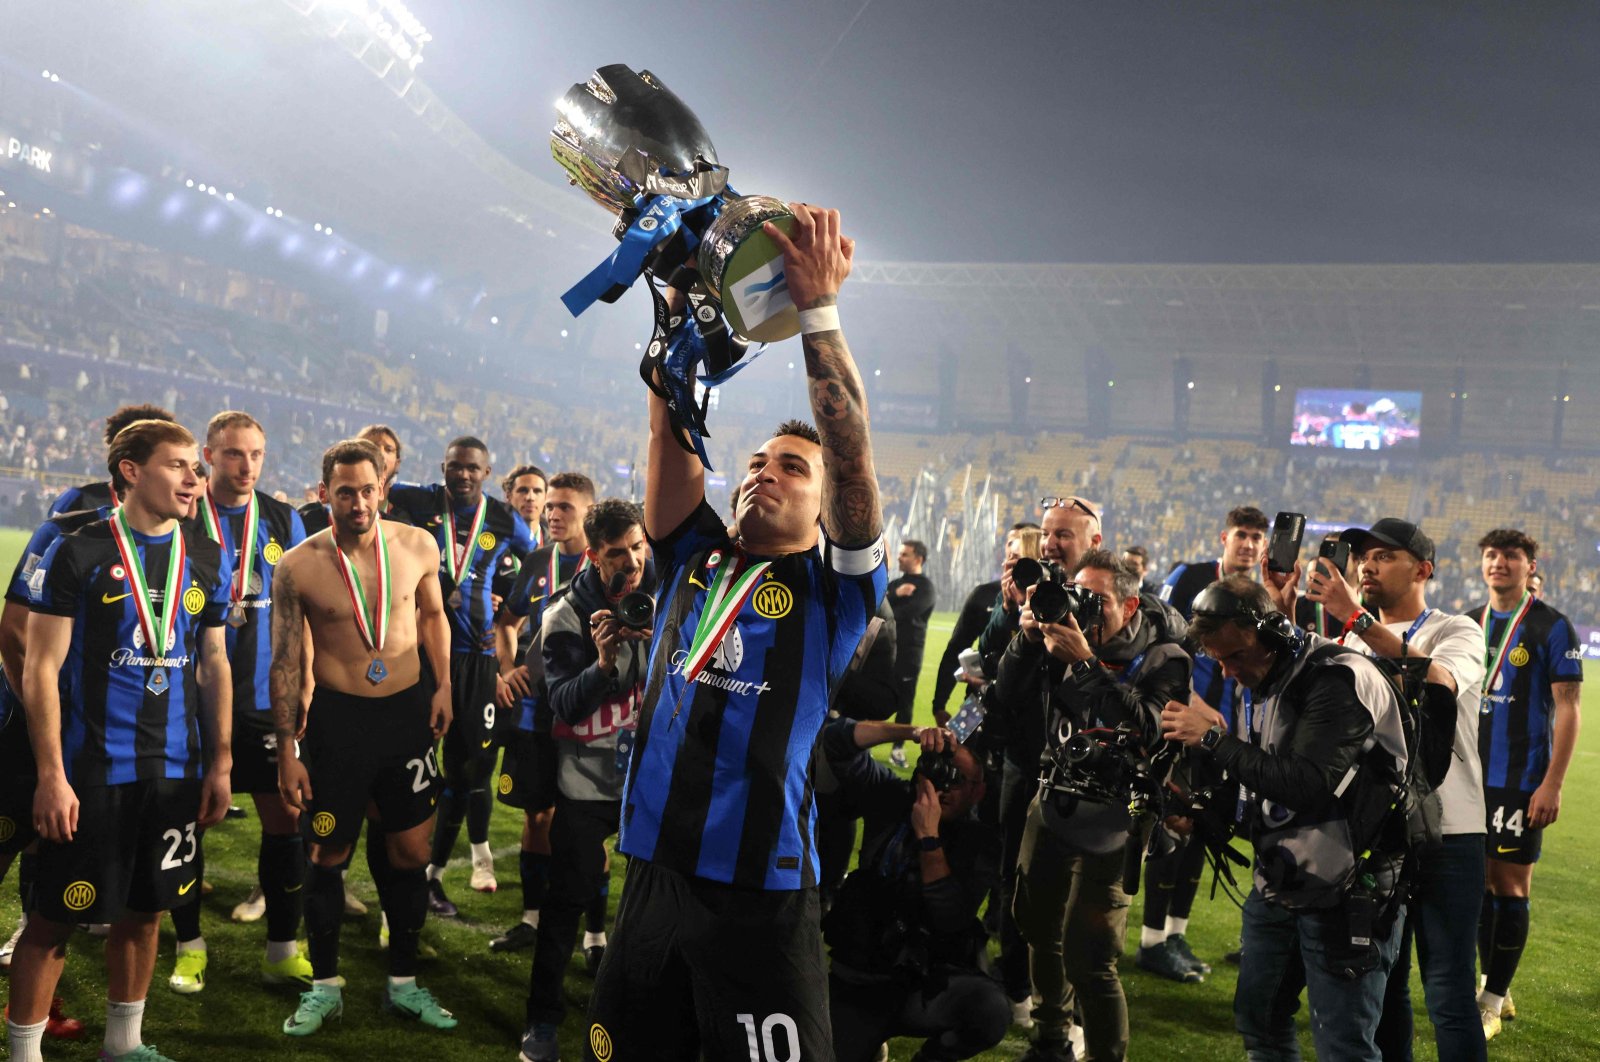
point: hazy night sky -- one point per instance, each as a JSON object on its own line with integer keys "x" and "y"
{"x": 1097, "y": 132}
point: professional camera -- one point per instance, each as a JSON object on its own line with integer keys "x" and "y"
{"x": 940, "y": 769}
{"x": 1105, "y": 766}
{"x": 636, "y": 610}
{"x": 1054, "y": 597}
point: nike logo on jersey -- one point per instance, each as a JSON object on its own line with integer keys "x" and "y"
{"x": 486, "y": 744}
{"x": 183, "y": 890}
{"x": 292, "y": 888}
{"x": 107, "y": 599}
{"x": 1502, "y": 849}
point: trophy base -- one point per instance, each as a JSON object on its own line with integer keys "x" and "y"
{"x": 746, "y": 269}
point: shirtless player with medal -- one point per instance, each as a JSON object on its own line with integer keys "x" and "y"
{"x": 367, "y": 593}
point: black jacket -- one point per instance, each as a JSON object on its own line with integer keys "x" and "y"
{"x": 1034, "y": 689}
{"x": 884, "y": 911}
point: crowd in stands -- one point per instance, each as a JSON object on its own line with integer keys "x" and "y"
{"x": 83, "y": 334}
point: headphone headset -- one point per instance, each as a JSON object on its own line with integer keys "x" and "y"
{"x": 1275, "y": 630}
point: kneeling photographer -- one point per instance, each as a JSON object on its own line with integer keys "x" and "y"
{"x": 1103, "y": 662}
{"x": 1320, "y": 773}
{"x": 906, "y": 942}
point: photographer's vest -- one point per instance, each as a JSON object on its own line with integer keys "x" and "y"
{"x": 1308, "y": 859}
{"x": 1091, "y": 827}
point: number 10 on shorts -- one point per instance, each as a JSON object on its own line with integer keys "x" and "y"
{"x": 762, "y": 1050}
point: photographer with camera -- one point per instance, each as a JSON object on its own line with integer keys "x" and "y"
{"x": 904, "y": 935}
{"x": 1093, "y": 657}
{"x": 1070, "y": 528}
{"x": 595, "y": 642}
{"x": 1321, "y": 772}
{"x": 1392, "y": 619}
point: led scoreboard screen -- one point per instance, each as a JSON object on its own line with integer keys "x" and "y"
{"x": 1357, "y": 420}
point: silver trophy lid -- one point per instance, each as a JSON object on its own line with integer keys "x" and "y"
{"x": 621, "y": 134}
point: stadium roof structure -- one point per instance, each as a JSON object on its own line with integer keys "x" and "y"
{"x": 1428, "y": 315}
{"x": 309, "y": 99}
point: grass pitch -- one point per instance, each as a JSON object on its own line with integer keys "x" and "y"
{"x": 238, "y": 1018}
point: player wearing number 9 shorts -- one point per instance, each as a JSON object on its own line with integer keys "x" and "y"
{"x": 128, "y": 693}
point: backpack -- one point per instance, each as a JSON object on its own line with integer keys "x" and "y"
{"x": 1428, "y": 719}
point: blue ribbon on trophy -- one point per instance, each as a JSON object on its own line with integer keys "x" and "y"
{"x": 641, "y": 153}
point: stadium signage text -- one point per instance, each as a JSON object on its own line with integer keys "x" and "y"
{"x": 28, "y": 155}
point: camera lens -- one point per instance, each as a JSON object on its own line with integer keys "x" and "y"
{"x": 1026, "y": 572}
{"x": 636, "y": 610}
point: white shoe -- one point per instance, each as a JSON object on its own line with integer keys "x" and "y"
{"x": 1075, "y": 1040}
{"x": 11, "y": 945}
{"x": 483, "y": 875}
{"x": 353, "y": 907}
{"x": 1022, "y": 1013}
{"x": 253, "y": 907}
{"x": 897, "y": 756}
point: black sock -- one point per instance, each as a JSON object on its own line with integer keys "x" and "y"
{"x": 1485, "y": 932}
{"x": 378, "y": 862}
{"x": 1510, "y": 937}
{"x": 27, "y": 874}
{"x": 405, "y": 900}
{"x": 1191, "y": 864}
{"x": 324, "y": 908}
{"x": 480, "y": 804}
{"x": 535, "y": 870}
{"x": 186, "y": 919}
{"x": 1160, "y": 877}
{"x": 452, "y": 808}
{"x": 281, "y": 869}
{"x": 594, "y": 911}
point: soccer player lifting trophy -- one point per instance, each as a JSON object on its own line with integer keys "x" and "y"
{"x": 634, "y": 146}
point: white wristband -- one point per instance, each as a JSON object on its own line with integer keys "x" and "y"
{"x": 819, "y": 319}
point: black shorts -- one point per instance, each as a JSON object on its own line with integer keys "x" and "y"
{"x": 137, "y": 849}
{"x": 255, "y": 753}
{"x": 478, "y": 725}
{"x": 697, "y": 967}
{"x": 16, "y": 787}
{"x": 361, "y": 750}
{"x": 1511, "y": 839}
{"x": 528, "y": 771}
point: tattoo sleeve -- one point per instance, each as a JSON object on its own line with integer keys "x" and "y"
{"x": 286, "y": 679}
{"x": 851, "y": 513}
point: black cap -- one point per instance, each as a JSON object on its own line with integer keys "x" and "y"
{"x": 1394, "y": 532}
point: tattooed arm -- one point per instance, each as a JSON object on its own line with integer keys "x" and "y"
{"x": 816, "y": 261}
{"x": 674, "y": 481}
{"x": 286, "y": 681}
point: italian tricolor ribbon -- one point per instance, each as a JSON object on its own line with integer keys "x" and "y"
{"x": 1496, "y": 658}
{"x": 212, "y": 520}
{"x": 458, "y": 559}
{"x": 727, "y": 595}
{"x": 151, "y": 620}
{"x": 553, "y": 579}
{"x": 372, "y": 622}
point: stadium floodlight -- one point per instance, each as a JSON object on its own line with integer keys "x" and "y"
{"x": 317, "y": 227}
{"x": 45, "y": 74}
{"x": 494, "y": 320}
{"x": 229, "y": 197}
{"x": 189, "y": 183}
{"x": 1191, "y": 385}
{"x": 55, "y": 77}
{"x": 563, "y": 333}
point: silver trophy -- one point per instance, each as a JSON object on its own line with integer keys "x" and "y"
{"x": 640, "y": 152}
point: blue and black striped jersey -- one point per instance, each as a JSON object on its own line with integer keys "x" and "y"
{"x": 39, "y": 544}
{"x": 114, "y": 729}
{"x": 278, "y": 530}
{"x": 528, "y": 599}
{"x": 1515, "y": 720}
{"x": 719, "y": 785}
{"x": 502, "y": 544}
{"x": 88, "y": 496}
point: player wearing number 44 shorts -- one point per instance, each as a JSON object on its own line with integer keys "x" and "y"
{"x": 1527, "y": 730}
{"x": 127, "y": 688}
{"x": 366, "y": 591}
{"x": 717, "y": 949}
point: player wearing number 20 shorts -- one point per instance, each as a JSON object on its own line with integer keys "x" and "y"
{"x": 367, "y": 591}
